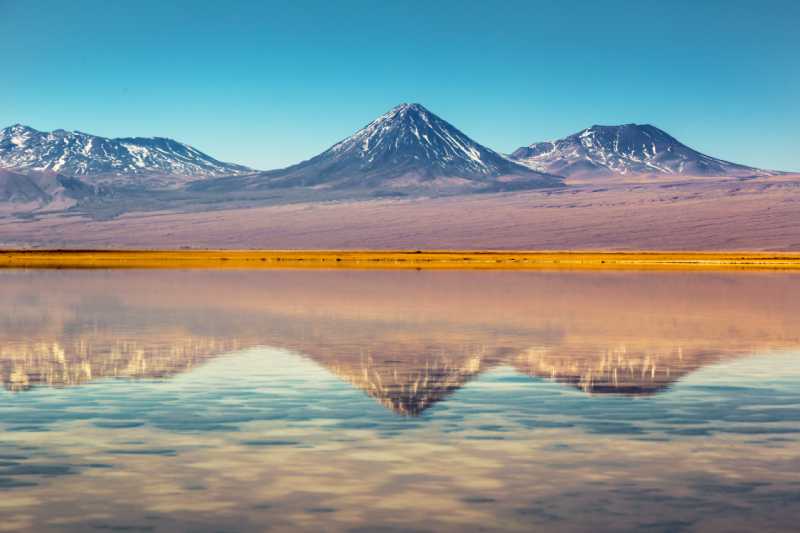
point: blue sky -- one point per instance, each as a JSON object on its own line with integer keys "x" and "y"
{"x": 271, "y": 83}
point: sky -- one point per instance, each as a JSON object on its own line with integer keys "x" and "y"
{"x": 271, "y": 83}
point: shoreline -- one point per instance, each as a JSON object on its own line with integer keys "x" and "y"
{"x": 398, "y": 259}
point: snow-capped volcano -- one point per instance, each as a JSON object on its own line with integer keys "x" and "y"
{"x": 628, "y": 149}
{"x": 100, "y": 159}
{"x": 404, "y": 150}
{"x": 411, "y": 138}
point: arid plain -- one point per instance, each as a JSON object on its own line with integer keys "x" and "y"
{"x": 688, "y": 213}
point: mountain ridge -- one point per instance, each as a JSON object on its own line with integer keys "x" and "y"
{"x": 407, "y": 151}
{"x": 153, "y": 161}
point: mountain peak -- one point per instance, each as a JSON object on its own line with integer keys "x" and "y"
{"x": 625, "y": 149}
{"x": 406, "y": 107}
{"x": 630, "y": 127}
{"x": 403, "y": 115}
{"x": 407, "y": 150}
{"x": 411, "y": 136}
{"x": 18, "y": 128}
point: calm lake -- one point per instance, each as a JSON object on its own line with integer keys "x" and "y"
{"x": 289, "y": 400}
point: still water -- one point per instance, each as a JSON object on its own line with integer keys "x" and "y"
{"x": 399, "y": 401}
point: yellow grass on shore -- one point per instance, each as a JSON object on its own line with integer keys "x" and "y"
{"x": 357, "y": 259}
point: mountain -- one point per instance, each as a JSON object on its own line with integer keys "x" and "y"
{"x": 628, "y": 149}
{"x": 138, "y": 161}
{"x": 408, "y": 150}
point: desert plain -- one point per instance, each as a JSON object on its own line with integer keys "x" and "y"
{"x": 676, "y": 214}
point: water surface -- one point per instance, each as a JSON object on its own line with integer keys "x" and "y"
{"x": 389, "y": 401}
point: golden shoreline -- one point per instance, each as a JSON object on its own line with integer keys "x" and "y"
{"x": 398, "y": 259}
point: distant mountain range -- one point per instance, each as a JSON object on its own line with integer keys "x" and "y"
{"x": 629, "y": 149}
{"x": 408, "y": 151}
{"x": 151, "y": 161}
{"x": 405, "y": 151}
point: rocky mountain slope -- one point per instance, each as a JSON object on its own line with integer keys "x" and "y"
{"x": 38, "y": 189}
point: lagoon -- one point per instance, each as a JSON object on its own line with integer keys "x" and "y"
{"x": 369, "y": 400}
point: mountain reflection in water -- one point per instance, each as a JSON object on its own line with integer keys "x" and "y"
{"x": 407, "y": 339}
{"x": 351, "y": 401}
